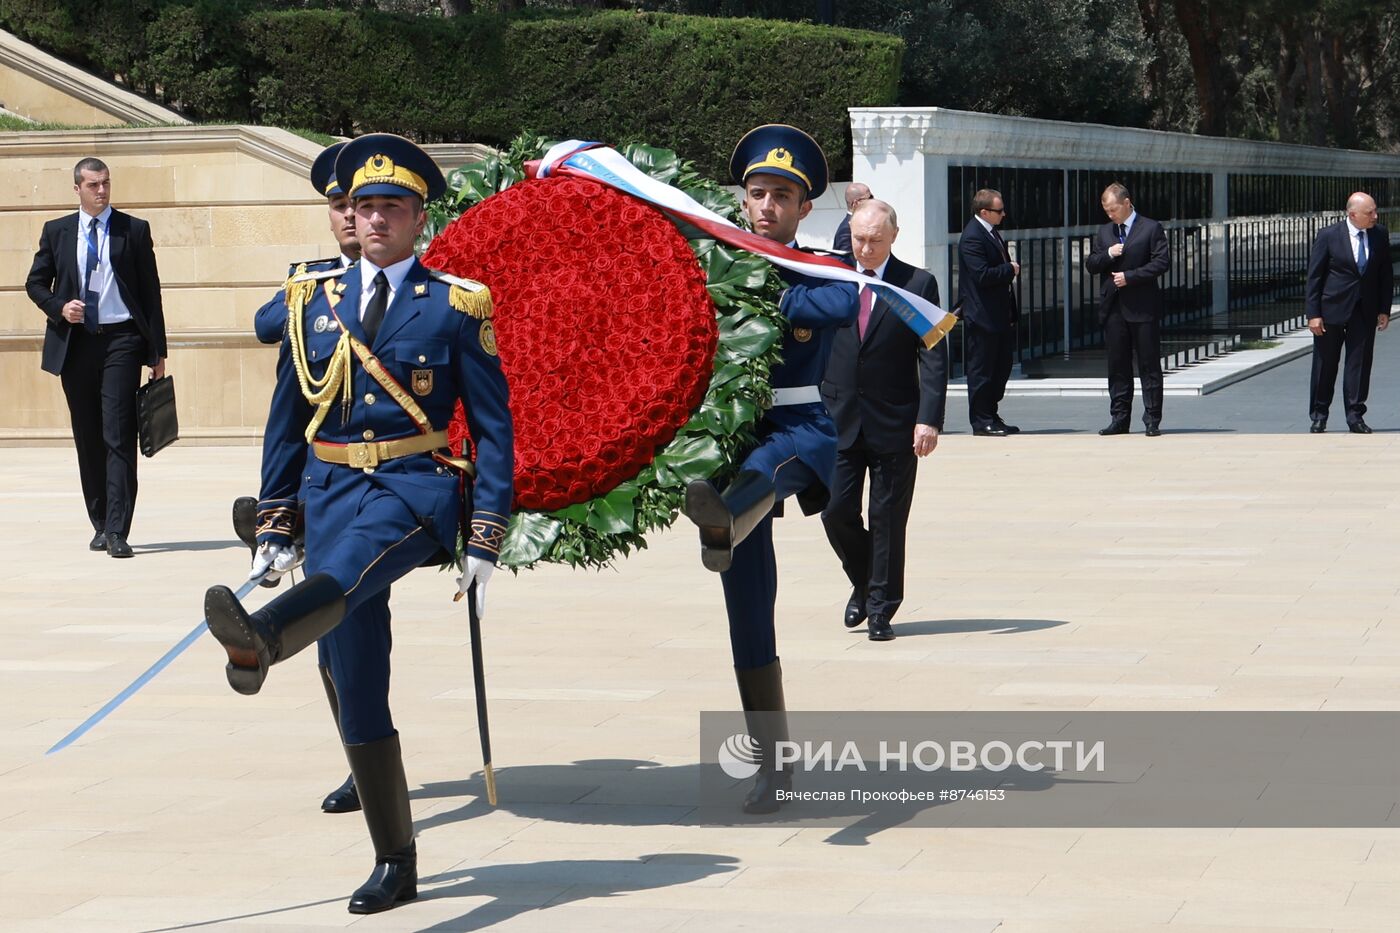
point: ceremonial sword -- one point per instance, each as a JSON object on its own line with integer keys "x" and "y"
{"x": 483, "y": 728}
{"x": 150, "y": 672}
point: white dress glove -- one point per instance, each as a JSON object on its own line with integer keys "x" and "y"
{"x": 480, "y": 571}
{"x": 275, "y": 560}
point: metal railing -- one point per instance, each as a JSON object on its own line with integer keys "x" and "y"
{"x": 1266, "y": 262}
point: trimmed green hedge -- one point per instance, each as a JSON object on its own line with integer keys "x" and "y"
{"x": 692, "y": 84}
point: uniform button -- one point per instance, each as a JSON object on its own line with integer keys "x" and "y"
{"x": 369, "y": 398}
{"x": 369, "y": 469}
{"x": 422, "y": 359}
{"x": 439, "y": 469}
{"x": 368, "y": 435}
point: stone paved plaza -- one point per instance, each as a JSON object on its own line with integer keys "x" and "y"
{"x": 1204, "y": 570}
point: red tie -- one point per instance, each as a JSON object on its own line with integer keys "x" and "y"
{"x": 867, "y": 304}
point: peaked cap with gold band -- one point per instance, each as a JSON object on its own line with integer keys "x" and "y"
{"x": 782, "y": 150}
{"x": 323, "y": 172}
{"x": 382, "y": 163}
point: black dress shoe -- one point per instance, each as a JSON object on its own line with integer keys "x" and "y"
{"x": 855, "y": 608}
{"x": 1117, "y": 427}
{"x": 1008, "y": 428}
{"x": 1319, "y": 426}
{"x": 1154, "y": 429}
{"x": 344, "y": 799}
{"x": 1359, "y": 427}
{"x": 880, "y": 630}
{"x": 993, "y": 431}
{"x": 98, "y": 542}
{"x": 117, "y": 546}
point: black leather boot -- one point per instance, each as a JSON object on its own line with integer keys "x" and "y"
{"x": 725, "y": 520}
{"x": 344, "y": 799}
{"x": 761, "y": 693}
{"x": 378, "y": 771}
{"x": 245, "y": 521}
{"x": 276, "y": 631}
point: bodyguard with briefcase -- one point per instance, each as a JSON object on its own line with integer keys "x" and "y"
{"x": 94, "y": 277}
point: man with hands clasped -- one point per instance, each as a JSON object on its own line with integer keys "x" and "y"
{"x": 1130, "y": 253}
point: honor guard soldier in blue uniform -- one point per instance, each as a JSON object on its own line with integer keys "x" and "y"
{"x": 270, "y": 321}
{"x": 381, "y": 352}
{"x": 270, "y": 325}
{"x": 782, "y": 170}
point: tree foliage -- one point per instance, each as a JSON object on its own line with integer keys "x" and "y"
{"x": 1323, "y": 72}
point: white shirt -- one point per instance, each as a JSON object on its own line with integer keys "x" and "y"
{"x": 1128, "y": 225}
{"x": 1352, "y": 232}
{"x": 110, "y": 307}
{"x": 395, "y": 274}
{"x": 879, "y": 270}
{"x": 985, "y": 226}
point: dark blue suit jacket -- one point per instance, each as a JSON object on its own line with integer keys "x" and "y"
{"x": 1336, "y": 290}
{"x": 1145, "y": 257}
{"x": 53, "y": 282}
{"x": 985, "y": 279}
{"x": 885, "y": 384}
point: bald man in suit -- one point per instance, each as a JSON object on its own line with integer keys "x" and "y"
{"x": 1349, "y": 290}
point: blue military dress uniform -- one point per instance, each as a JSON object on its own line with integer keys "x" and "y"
{"x": 796, "y": 450}
{"x": 357, "y": 430}
{"x": 368, "y": 525}
{"x": 795, "y": 454}
{"x": 270, "y": 321}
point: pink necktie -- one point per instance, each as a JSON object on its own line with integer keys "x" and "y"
{"x": 867, "y": 304}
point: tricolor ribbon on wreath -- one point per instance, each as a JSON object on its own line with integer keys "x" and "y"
{"x": 608, "y": 166}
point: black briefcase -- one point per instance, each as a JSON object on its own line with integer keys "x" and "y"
{"x": 157, "y": 426}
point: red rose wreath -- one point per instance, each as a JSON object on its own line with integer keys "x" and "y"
{"x": 637, "y": 359}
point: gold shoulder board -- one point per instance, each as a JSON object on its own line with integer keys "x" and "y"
{"x": 466, "y": 295}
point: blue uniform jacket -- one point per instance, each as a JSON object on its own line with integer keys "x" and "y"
{"x": 814, "y": 308}
{"x": 438, "y": 354}
{"x": 270, "y": 321}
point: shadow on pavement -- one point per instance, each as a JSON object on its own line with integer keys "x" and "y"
{"x": 517, "y": 888}
{"x": 964, "y": 626}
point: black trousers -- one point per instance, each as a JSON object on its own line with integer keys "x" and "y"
{"x": 100, "y": 377}
{"x": 1124, "y": 340}
{"x": 872, "y": 557}
{"x": 1359, "y": 337}
{"x": 987, "y": 359}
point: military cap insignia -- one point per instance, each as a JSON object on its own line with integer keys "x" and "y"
{"x": 488, "y": 338}
{"x": 422, "y": 382}
{"x": 802, "y": 334}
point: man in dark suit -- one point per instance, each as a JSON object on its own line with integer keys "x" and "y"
{"x": 1130, "y": 252}
{"x": 987, "y": 295}
{"x": 1350, "y": 285}
{"x": 887, "y": 394}
{"x": 855, "y": 194}
{"x": 94, "y": 277}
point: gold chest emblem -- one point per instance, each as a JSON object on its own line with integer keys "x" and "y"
{"x": 422, "y": 381}
{"x": 802, "y": 334}
{"x": 488, "y": 338}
